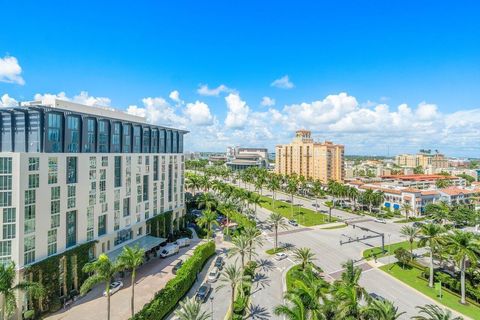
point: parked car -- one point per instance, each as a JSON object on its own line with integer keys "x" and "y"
{"x": 293, "y": 223}
{"x": 213, "y": 275}
{"x": 280, "y": 256}
{"x": 177, "y": 266}
{"x": 169, "y": 250}
{"x": 114, "y": 287}
{"x": 380, "y": 220}
{"x": 183, "y": 242}
{"x": 375, "y": 296}
{"x": 417, "y": 224}
{"x": 219, "y": 263}
{"x": 203, "y": 292}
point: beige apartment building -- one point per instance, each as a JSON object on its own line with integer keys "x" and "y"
{"x": 424, "y": 160}
{"x": 322, "y": 161}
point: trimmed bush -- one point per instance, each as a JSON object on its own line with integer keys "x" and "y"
{"x": 167, "y": 298}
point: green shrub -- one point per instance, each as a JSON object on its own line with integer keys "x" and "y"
{"x": 167, "y": 298}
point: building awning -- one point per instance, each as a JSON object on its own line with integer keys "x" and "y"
{"x": 145, "y": 242}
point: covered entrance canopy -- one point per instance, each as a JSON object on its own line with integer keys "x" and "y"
{"x": 145, "y": 242}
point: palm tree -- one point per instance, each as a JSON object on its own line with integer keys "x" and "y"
{"x": 381, "y": 310}
{"x": 190, "y": 309}
{"x": 192, "y": 182}
{"x": 274, "y": 186}
{"x": 434, "y": 312}
{"x": 330, "y": 205}
{"x": 406, "y": 207}
{"x": 131, "y": 258}
{"x": 292, "y": 187}
{"x": 207, "y": 200}
{"x": 103, "y": 271}
{"x": 253, "y": 236}
{"x": 255, "y": 199}
{"x": 304, "y": 255}
{"x": 432, "y": 237}
{"x": 313, "y": 293}
{"x": 464, "y": 247}
{"x": 294, "y": 311}
{"x": 231, "y": 276}
{"x": 208, "y": 220}
{"x": 411, "y": 233}
{"x": 8, "y": 288}
{"x": 277, "y": 221}
{"x": 351, "y": 277}
{"x": 348, "y": 303}
{"x": 353, "y": 194}
{"x": 317, "y": 190}
{"x": 240, "y": 247}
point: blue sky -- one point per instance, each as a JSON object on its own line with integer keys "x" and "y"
{"x": 374, "y": 75}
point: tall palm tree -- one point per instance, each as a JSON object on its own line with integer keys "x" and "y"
{"x": 207, "y": 200}
{"x": 103, "y": 270}
{"x": 353, "y": 194}
{"x": 411, "y": 233}
{"x": 190, "y": 309}
{"x": 317, "y": 190}
{"x": 407, "y": 208}
{"x": 204, "y": 181}
{"x": 240, "y": 247}
{"x": 294, "y": 310}
{"x": 131, "y": 259}
{"x": 431, "y": 236}
{"x": 8, "y": 288}
{"x": 233, "y": 277}
{"x": 348, "y": 302}
{"x": 304, "y": 255}
{"x": 381, "y": 310}
{"x": 274, "y": 186}
{"x": 313, "y": 293}
{"x": 208, "y": 220}
{"x": 276, "y": 220}
{"x": 292, "y": 187}
{"x": 330, "y": 205}
{"x": 192, "y": 182}
{"x": 253, "y": 236}
{"x": 464, "y": 247}
{"x": 255, "y": 199}
{"x": 434, "y": 312}
{"x": 351, "y": 277}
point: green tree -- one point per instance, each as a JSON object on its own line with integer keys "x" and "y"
{"x": 381, "y": 310}
{"x": 102, "y": 271}
{"x": 208, "y": 220}
{"x": 330, "y": 205}
{"x": 403, "y": 256}
{"x": 431, "y": 237}
{"x": 317, "y": 190}
{"x": 304, "y": 255}
{"x": 255, "y": 199}
{"x": 131, "y": 259}
{"x": 191, "y": 310}
{"x": 407, "y": 208}
{"x": 464, "y": 247}
{"x": 443, "y": 183}
{"x": 292, "y": 188}
{"x": 207, "y": 201}
{"x": 240, "y": 247}
{"x": 253, "y": 236}
{"x": 294, "y": 310}
{"x": 411, "y": 233}
{"x": 8, "y": 288}
{"x": 274, "y": 186}
{"x": 231, "y": 276}
{"x": 276, "y": 221}
{"x": 434, "y": 312}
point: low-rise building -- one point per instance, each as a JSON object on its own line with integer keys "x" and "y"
{"x": 243, "y": 158}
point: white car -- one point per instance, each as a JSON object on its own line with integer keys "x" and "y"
{"x": 280, "y": 256}
{"x": 380, "y": 220}
{"x": 213, "y": 275}
{"x": 114, "y": 287}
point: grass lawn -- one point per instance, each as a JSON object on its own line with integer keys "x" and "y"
{"x": 273, "y": 251}
{"x": 390, "y": 249}
{"x": 304, "y": 216}
{"x": 290, "y": 277}
{"x": 410, "y": 276}
{"x": 335, "y": 227}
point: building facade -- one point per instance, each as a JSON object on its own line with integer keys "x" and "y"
{"x": 72, "y": 174}
{"x": 305, "y": 157}
{"x": 244, "y": 158}
{"x": 423, "y": 160}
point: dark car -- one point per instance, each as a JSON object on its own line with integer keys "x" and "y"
{"x": 177, "y": 266}
{"x": 219, "y": 263}
{"x": 375, "y": 296}
{"x": 203, "y": 292}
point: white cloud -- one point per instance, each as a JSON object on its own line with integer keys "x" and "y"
{"x": 7, "y": 101}
{"x": 175, "y": 96}
{"x": 158, "y": 111}
{"x": 238, "y": 111}
{"x": 205, "y": 91}
{"x": 10, "y": 71}
{"x": 283, "y": 83}
{"x": 83, "y": 98}
{"x": 198, "y": 113}
{"x": 267, "y": 102}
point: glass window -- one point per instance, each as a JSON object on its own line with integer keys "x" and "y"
{"x": 19, "y": 132}
{"x": 54, "y": 134}
{"x": 162, "y": 142}
{"x": 33, "y": 164}
{"x": 91, "y": 137}
{"x": 6, "y": 130}
{"x": 6, "y": 182}
{"x": 145, "y": 188}
{"x": 146, "y": 140}
{"x": 52, "y": 241}
{"x": 34, "y": 132}
{"x": 116, "y": 136}
{"x": 73, "y": 127}
{"x": 155, "y": 168}
{"x": 103, "y": 136}
{"x": 137, "y": 139}
{"x": 102, "y": 225}
{"x": 33, "y": 180}
{"x": 127, "y": 138}
{"x": 6, "y": 199}
{"x": 5, "y": 165}
{"x": 118, "y": 171}
{"x": 154, "y": 148}
{"x": 29, "y": 249}
{"x": 52, "y": 170}
{"x": 71, "y": 228}
{"x": 126, "y": 207}
{"x": 55, "y": 193}
{"x": 71, "y": 169}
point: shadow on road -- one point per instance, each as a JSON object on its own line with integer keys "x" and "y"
{"x": 258, "y": 312}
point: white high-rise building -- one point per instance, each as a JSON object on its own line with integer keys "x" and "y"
{"x": 72, "y": 174}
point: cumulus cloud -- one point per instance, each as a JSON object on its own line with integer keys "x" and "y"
{"x": 7, "y": 101}
{"x": 175, "y": 96}
{"x": 204, "y": 90}
{"x": 83, "y": 98}
{"x": 158, "y": 111}
{"x": 10, "y": 71}
{"x": 283, "y": 83}
{"x": 198, "y": 113}
{"x": 267, "y": 102}
{"x": 238, "y": 111}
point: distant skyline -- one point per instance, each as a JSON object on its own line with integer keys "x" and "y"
{"x": 379, "y": 77}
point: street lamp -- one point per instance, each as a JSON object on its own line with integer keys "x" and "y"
{"x": 211, "y": 306}
{"x": 389, "y": 247}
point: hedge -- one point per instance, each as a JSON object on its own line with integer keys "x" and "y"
{"x": 454, "y": 285}
{"x": 167, "y": 298}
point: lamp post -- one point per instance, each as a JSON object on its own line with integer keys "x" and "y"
{"x": 211, "y": 306}
{"x": 389, "y": 247}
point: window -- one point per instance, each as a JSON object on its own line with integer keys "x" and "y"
{"x": 90, "y": 222}
{"x": 52, "y": 241}
{"x": 146, "y": 140}
{"x": 71, "y": 169}
{"x": 104, "y": 161}
{"x": 116, "y": 136}
{"x": 137, "y": 139}
{"x": 19, "y": 132}
{"x": 55, "y": 193}
{"x": 34, "y": 131}
{"x": 90, "y": 141}
{"x": 29, "y": 249}
{"x": 155, "y": 168}
{"x": 54, "y": 134}
{"x": 52, "y": 170}
{"x": 30, "y": 196}
{"x": 162, "y": 142}
{"x": 5, "y": 252}
{"x": 118, "y": 171}
{"x": 73, "y": 129}
{"x": 127, "y": 138}
{"x": 5, "y": 165}
{"x": 71, "y": 196}
{"x": 145, "y": 188}
{"x": 6, "y": 182}
{"x": 126, "y": 207}
{"x": 154, "y": 148}
{"x": 71, "y": 228}
{"x": 9, "y": 219}
{"x": 29, "y": 222}
{"x": 33, "y": 180}
{"x": 102, "y": 225}
{"x": 33, "y": 164}
{"x": 103, "y": 136}
{"x": 168, "y": 142}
